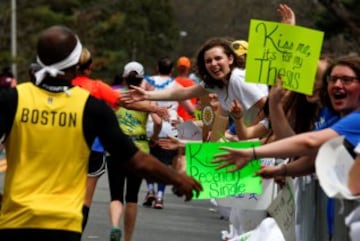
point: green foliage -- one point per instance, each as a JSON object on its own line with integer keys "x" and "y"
{"x": 149, "y": 32}
{"x": 339, "y": 20}
{"x": 115, "y": 31}
{"x": 145, "y": 30}
{"x": 329, "y": 24}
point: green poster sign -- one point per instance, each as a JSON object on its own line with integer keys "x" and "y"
{"x": 220, "y": 183}
{"x": 281, "y": 49}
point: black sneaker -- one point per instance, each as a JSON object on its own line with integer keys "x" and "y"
{"x": 149, "y": 199}
{"x": 159, "y": 203}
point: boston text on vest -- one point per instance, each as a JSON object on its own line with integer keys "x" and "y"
{"x": 44, "y": 117}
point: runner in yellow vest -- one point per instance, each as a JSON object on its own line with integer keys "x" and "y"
{"x": 49, "y": 127}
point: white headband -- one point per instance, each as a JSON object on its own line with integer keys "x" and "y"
{"x": 56, "y": 68}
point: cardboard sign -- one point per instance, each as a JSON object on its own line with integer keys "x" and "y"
{"x": 286, "y": 50}
{"x": 220, "y": 183}
{"x": 207, "y": 116}
{"x": 189, "y": 131}
{"x": 282, "y": 209}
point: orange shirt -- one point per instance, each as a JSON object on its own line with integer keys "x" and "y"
{"x": 98, "y": 89}
{"x": 185, "y": 82}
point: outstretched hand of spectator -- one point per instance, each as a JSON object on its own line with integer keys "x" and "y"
{"x": 237, "y": 157}
{"x": 277, "y": 172}
{"x": 163, "y": 112}
{"x": 170, "y": 143}
{"x": 134, "y": 94}
{"x": 270, "y": 171}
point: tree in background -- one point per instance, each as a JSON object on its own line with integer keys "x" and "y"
{"x": 149, "y": 31}
{"x": 340, "y": 19}
{"x": 145, "y": 30}
{"x": 115, "y": 31}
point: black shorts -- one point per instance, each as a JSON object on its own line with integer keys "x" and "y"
{"x": 165, "y": 156}
{"x": 96, "y": 164}
{"x": 38, "y": 235}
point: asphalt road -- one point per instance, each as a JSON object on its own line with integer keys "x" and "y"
{"x": 178, "y": 221}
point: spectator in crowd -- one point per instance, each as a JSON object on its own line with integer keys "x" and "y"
{"x": 341, "y": 82}
{"x": 222, "y": 72}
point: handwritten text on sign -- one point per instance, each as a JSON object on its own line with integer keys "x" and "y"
{"x": 282, "y": 209}
{"x": 286, "y": 50}
{"x": 220, "y": 183}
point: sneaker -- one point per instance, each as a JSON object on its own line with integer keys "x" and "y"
{"x": 115, "y": 234}
{"x": 159, "y": 203}
{"x": 149, "y": 199}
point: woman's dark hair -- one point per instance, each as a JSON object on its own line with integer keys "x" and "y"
{"x": 300, "y": 113}
{"x": 353, "y": 62}
{"x": 200, "y": 61}
{"x": 266, "y": 108}
{"x": 165, "y": 65}
{"x": 6, "y": 77}
{"x": 118, "y": 80}
{"x": 132, "y": 79}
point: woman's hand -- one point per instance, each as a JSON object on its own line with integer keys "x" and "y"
{"x": 277, "y": 92}
{"x": 170, "y": 143}
{"x": 237, "y": 157}
{"x": 162, "y": 112}
{"x": 287, "y": 14}
{"x": 236, "y": 110}
{"x": 277, "y": 172}
{"x": 270, "y": 171}
{"x": 134, "y": 94}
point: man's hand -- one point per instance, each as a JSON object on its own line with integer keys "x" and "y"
{"x": 187, "y": 186}
{"x": 237, "y": 157}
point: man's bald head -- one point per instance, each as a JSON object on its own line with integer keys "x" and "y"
{"x": 55, "y": 44}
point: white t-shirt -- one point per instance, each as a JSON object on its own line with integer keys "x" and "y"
{"x": 162, "y": 82}
{"x": 246, "y": 93}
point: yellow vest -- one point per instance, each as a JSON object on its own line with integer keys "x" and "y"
{"x": 47, "y": 158}
{"x": 133, "y": 123}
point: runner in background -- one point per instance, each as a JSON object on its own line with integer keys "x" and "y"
{"x": 183, "y": 68}
{"x": 103, "y": 91}
{"x": 123, "y": 183}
